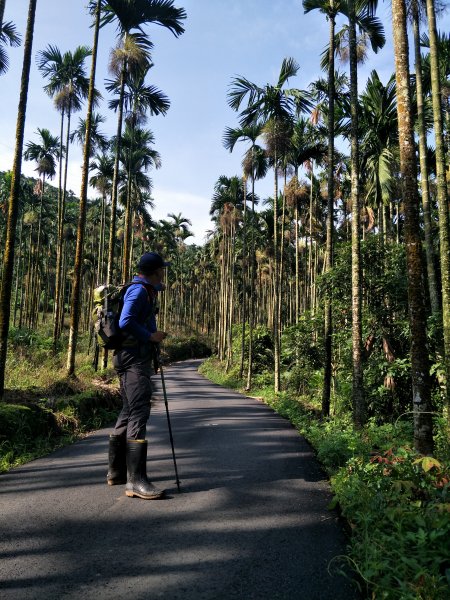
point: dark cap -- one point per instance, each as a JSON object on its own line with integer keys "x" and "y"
{"x": 150, "y": 261}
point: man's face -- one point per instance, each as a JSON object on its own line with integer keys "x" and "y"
{"x": 160, "y": 274}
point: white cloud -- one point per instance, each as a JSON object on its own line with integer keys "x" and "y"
{"x": 192, "y": 206}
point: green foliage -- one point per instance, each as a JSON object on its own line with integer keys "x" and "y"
{"x": 26, "y": 338}
{"x": 24, "y": 421}
{"x": 386, "y": 336}
{"x": 301, "y": 354}
{"x": 262, "y": 346}
{"x": 184, "y": 347}
{"x": 398, "y": 506}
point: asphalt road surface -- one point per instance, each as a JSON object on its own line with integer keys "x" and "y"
{"x": 251, "y": 521}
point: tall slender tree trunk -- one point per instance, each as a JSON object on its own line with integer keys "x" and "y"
{"x": 442, "y": 197}
{"x": 59, "y": 299}
{"x": 281, "y": 267}
{"x": 101, "y": 248}
{"x": 115, "y": 186}
{"x": 244, "y": 277}
{"x": 359, "y": 407}
{"x": 423, "y": 430}
{"x": 309, "y": 284}
{"x": 328, "y": 324}
{"x": 2, "y": 12}
{"x": 13, "y": 206}
{"x": 75, "y": 302}
{"x": 26, "y": 282}
{"x": 59, "y": 242}
{"x": 424, "y": 182}
{"x": 128, "y": 219}
{"x": 35, "y": 279}
{"x": 19, "y": 275}
{"x": 276, "y": 291}
{"x": 251, "y": 320}
{"x": 230, "y": 287}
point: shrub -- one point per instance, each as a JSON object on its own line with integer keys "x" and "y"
{"x": 183, "y": 348}
{"x": 397, "y": 504}
{"x": 20, "y": 422}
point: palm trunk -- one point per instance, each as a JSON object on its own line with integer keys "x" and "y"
{"x": 13, "y": 207}
{"x": 112, "y": 226}
{"x": 59, "y": 244}
{"x": 2, "y": 12}
{"x": 25, "y": 282}
{"x": 128, "y": 219}
{"x": 309, "y": 285}
{"x": 423, "y": 430}
{"x": 444, "y": 233}
{"x": 276, "y": 297}
{"x": 75, "y": 302}
{"x": 252, "y": 288}
{"x": 229, "y": 322}
{"x": 432, "y": 285}
{"x": 244, "y": 278}
{"x": 328, "y": 324}
{"x": 35, "y": 279}
{"x": 101, "y": 249}
{"x": 297, "y": 266}
{"x": 359, "y": 408}
{"x": 19, "y": 275}
{"x": 281, "y": 269}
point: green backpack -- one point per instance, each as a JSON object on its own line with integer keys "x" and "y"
{"x": 108, "y": 304}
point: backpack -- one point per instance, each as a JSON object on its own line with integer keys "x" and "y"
{"x": 108, "y": 304}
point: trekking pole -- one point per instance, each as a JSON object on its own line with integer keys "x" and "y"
{"x": 163, "y": 383}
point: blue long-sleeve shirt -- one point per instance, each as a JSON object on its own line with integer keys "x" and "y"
{"x": 137, "y": 318}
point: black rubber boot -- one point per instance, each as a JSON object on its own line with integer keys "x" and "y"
{"x": 117, "y": 470}
{"x": 137, "y": 483}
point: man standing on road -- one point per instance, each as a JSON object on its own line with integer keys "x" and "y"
{"x": 134, "y": 363}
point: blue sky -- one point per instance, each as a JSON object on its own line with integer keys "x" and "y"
{"x": 223, "y": 39}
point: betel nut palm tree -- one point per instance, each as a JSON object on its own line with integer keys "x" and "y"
{"x": 275, "y": 106}
{"x": 423, "y": 438}
{"x": 13, "y": 205}
{"x": 102, "y": 168}
{"x": 138, "y": 100}
{"x": 226, "y": 209}
{"x": 442, "y": 192}
{"x": 99, "y": 141}
{"x": 374, "y": 29}
{"x": 330, "y": 8}
{"x": 255, "y": 170}
{"x": 76, "y": 281}
{"x": 45, "y": 153}
{"x": 137, "y": 157}
{"x": 416, "y": 13}
{"x": 68, "y": 85}
{"x": 130, "y": 17}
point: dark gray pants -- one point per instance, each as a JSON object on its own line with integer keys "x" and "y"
{"x": 136, "y": 390}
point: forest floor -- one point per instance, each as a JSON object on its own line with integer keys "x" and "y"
{"x": 251, "y": 521}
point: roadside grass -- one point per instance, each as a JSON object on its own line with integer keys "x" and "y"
{"x": 396, "y": 503}
{"x": 44, "y": 409}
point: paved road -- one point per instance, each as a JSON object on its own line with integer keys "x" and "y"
{"x": 251, "y": 521}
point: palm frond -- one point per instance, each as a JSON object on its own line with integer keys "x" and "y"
{"x": 9, "y": 34}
